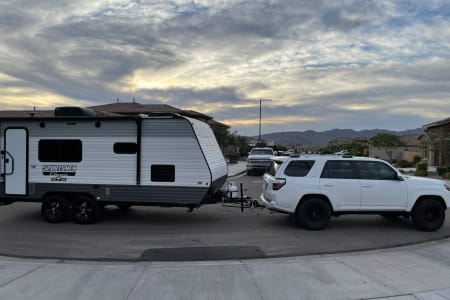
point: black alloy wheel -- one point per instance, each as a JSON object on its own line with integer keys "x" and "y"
{"x": 428, "y": 215}
{"x": 55, "y": 209}
{"x": 85, "y": 210}
{"x": 313, "y": 214}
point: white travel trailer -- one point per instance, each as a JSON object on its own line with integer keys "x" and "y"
{"x": 77, "y": 162}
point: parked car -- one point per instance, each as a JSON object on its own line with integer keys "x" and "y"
{"x": 342, "y": 152}
{"x": 313, "y": 188}
{"x": 259, "y": 160}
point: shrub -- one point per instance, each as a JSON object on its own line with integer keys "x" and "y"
{"x": 404, "y": 164}
{"x": 421, "y": 169}
{"x": 416, "y": 159}
{"x": 442, "y": 171}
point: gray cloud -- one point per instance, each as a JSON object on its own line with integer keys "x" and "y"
{"x": 314, "y": 58}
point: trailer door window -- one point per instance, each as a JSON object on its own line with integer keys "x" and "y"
{"x": 125, "y": 148}
{"x": 163, "y": 173}
{"x": 60, "y": 151}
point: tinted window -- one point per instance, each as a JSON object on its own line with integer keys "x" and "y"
{"x": 375, "y": 170}
{"x": 298, "y": 168}
{"x": 163, "y": 173}
{"x": 60, "y": 151}
{"x": 125, "y": 148}
{"x": 338, "y": 169}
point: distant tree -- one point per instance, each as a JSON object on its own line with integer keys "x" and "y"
{"x": 388, "y": 142}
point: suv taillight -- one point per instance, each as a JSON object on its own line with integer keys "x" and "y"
{"x": 278, "y": 183}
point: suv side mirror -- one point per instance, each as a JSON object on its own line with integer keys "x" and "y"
{"x": 400, "y": 178}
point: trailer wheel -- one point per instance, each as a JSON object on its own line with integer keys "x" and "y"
{"x": 55, "y": 209}
{"x": 85, "y": 210}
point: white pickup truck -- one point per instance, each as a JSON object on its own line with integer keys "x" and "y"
{"x": 313, "y": 188}
{"x": 259, "y": 160}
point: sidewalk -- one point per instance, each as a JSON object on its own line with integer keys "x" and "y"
{"x": 413, "y": 272}
{"x": 235, "y": 169}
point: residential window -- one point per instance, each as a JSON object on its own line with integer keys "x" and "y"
{"x": 125, "y": 148}
{"x": 60, "y": 151}
{"x": 162, "y": 173}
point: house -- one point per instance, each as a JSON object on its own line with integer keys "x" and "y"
{"x": 436, "y": 142}
{"x": 408, "y": 151}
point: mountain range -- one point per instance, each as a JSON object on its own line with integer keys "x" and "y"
{"x": 321, "y": 138}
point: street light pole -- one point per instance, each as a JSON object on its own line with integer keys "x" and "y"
{"x": 260, "y": 102}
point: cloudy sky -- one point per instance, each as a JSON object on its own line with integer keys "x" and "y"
{"x": 325, "y": 64}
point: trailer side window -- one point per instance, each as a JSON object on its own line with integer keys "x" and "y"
{"x": 125, "y": 148}
{"x": 60, "y": 151}
{"x": 163, "y": 173}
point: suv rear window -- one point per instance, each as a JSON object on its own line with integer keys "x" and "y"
{"x": 274, "y": 166}
{"x": 299, "y": 168}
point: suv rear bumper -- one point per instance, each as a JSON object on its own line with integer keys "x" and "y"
{"x": 271, "y": 205}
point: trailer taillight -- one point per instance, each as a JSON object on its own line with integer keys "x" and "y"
{"x": 278, "y": 184}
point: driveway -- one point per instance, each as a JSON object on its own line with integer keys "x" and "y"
{"x": 211, "y": 232}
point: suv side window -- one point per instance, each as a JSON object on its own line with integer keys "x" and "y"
{"x": 339, "y": 169}
{"x": 375, "y": 170}
{"x": 298, "y": 168}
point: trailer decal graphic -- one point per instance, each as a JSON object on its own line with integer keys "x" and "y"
{"x": 59, "y": 172}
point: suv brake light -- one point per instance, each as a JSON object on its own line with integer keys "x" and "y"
{"x": 278, "y": 183}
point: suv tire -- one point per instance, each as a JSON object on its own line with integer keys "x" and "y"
{"x": 313, "y": 214}
{"x": 428, "y": 215}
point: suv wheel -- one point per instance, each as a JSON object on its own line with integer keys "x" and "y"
{"x": 313, "y": 214}
{"x": 428, "y": 215}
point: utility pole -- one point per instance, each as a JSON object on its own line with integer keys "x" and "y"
{"x": 260, "y": 102}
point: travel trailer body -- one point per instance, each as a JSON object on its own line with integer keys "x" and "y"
{"x": 76, "y": 164}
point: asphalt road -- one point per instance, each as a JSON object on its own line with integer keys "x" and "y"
{"x": 211, "y": 232}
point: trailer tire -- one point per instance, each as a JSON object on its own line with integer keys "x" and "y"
{"x": 55, "y": 208}
{"x": 85, "y": 210}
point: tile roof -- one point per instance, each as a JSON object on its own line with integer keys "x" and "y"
{"x": 437, "y": 123}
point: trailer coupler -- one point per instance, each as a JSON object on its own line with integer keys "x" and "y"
{"x": 230, "y": 198}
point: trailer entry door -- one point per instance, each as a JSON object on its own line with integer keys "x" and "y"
{"x": 16, "y": 161}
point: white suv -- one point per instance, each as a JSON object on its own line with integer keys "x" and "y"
{"x": 313, "y": 188}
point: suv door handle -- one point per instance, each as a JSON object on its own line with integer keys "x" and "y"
{"x": 328, "y": 184}
{"x": 367, "y": 185}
